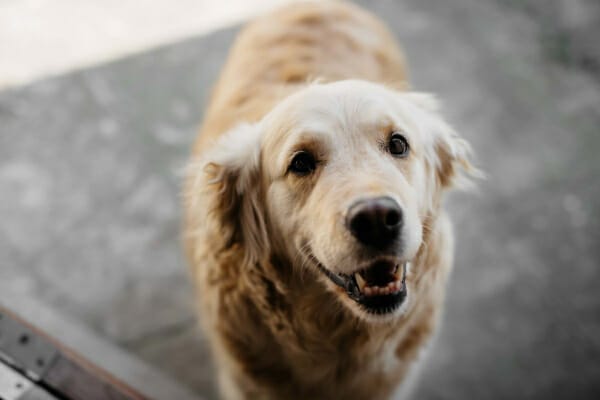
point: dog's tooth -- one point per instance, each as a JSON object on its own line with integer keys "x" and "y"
{"x": 360, "y": 281}
{"x": 368, "y": 291}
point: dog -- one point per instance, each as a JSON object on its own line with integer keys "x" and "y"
{"x": 314, "y": 223}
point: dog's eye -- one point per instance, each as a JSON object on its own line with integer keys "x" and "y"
{"x": 303, "y": 163}
{"x": 398, "y": 145}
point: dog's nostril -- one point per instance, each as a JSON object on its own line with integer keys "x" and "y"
{"x": 392, "y": 218}
{"x": 360, "y": 223}
{"x": 375, "y": 222}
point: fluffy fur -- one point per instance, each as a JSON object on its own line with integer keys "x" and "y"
{"x": 325, "y": 77}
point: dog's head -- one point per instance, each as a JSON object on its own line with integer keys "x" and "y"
{"x": 341, "y": 178}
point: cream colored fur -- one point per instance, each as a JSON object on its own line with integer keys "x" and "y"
{"x": 278, "y": 327}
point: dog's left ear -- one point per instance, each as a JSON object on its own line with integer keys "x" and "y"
{"x": 452, "y": 155}
{"x": 229, "y": 185}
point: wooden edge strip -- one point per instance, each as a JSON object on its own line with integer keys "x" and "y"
{"x": 65, "y": 372}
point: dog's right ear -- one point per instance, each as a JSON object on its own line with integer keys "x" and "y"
{"x": 452, "y": 155}
{"x": 228, "y": 184}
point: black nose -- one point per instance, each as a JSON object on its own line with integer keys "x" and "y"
{"x": 375, "y": 222}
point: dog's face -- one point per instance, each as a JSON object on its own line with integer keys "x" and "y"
{"x": 341, "y": 178}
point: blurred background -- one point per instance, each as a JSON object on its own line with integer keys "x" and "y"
{"x": 100, "y": 101}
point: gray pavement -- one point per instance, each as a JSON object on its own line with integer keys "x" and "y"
{"x": 90, "y": 177}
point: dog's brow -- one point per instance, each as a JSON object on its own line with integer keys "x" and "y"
{"x": 386, "y": 124}
{"x": 378, "y": 128}
{"x": 313, "y": 144}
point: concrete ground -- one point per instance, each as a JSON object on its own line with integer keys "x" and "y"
{"x": 89, "y": 195}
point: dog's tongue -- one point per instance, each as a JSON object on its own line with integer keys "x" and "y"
{"x": 379, "y": 274}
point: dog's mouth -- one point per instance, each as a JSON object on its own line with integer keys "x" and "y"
{"x": 380, "y": 288}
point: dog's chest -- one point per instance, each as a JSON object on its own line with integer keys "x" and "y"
{"x": 356, "y": 364}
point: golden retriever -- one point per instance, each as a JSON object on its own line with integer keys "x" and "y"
{"x": 314, "y": 225}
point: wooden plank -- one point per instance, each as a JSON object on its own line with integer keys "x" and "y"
{"x": 12, "y": 384}
{"x": 145, "y": 379}
{"x": 76, "y": 382}
{"x": 54, "y": 366}
{"x": 37, "y": 393}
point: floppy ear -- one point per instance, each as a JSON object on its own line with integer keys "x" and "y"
{"x": 231, "y": 191}
{"x": 454, "y": 154}
{"x": 450, "y": 155}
